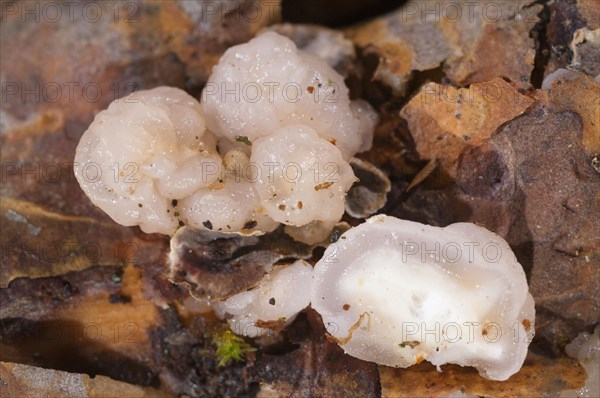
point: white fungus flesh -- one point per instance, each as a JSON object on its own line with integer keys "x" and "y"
{"x": 274, "y": 303}
{"x": 301, "y": 177}
{"x": 586, "y": 348}
{"x": 237, "y": 163}
{"x": 265, "y": 84}
{"x": 230, "y": 206}
{"x": 398, "y": 292}
{"x": 144, "y": 151}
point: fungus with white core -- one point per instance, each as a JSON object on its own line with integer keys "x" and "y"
{"x": 265, "y": 84}
{"x": 400, "y": 292}
{"x": 281, "y": 295}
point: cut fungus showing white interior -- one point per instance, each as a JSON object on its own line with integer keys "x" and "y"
{"x": 266, "y": 158}
{"x": 398, "y": 292}
{"x": 272, "y": 305}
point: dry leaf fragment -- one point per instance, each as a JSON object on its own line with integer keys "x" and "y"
{"x": 444, "y": 120}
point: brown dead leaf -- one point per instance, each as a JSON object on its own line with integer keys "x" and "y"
{"x": 590, "y": 12}
{"x": 493, "y": 40}
{"x": 444, "y": 120}
{"x": 576, "y": 92}
{"x": 475, "y": 42}
{"x": 404, "y": 43}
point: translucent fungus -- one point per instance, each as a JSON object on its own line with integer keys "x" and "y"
{"x": 230, "y": 206}
{"x": 273, "y": 304}
{"x": 265, "y": 84}
{"x": 399, "y": 292}
{"x": 586, "y": 348}
{"x": 301, "y": 177}
{"x": 143, "y": 152}
{"x": 262, "y": 158}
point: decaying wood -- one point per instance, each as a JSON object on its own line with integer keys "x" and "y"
{"x": 539, "y": 377}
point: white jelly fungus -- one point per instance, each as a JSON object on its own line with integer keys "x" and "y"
{"x": 143, "y": 152}
{"x": 586, "y": 348}
{"x": 265, "y": 84}
{"x": 398, "y": 292}
{"x": 273, "y": 304}
{"x": 235, "y": 163}
{"x": 302, "y": 178}
{"x": 228, "y": 207}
